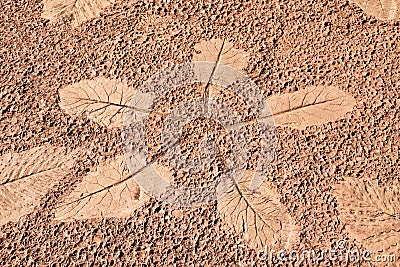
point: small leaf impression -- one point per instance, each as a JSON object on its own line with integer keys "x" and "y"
{"x": 80, "y": 10}
{"x": 380, "y": 9}
{"x": 371, "y": 213}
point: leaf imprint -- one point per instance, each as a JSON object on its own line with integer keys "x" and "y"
{"x": 310, "y": 106}
{"x": 259, "y": 215}
{"x": 28, "y": 176}
{"x": 81, "y": 10}
{"x": 220, "y": 52}
{"x": 380, "y": 9}
{"x": 107, "y": 192}
{"x": 102, "y": 100}
{"x": 370, "y": 213}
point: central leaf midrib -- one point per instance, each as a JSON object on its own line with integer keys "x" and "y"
{"x": 304, "y": 106}
{"x": 27, "y": 176}
{"x": 206, "y": 89}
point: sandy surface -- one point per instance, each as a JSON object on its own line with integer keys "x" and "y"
{"x": 291, "y": 45}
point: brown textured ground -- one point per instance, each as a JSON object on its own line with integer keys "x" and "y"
{"x": 292, "y": 44}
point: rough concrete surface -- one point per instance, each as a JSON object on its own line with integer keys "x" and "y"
{"x": 289, "y": 45}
